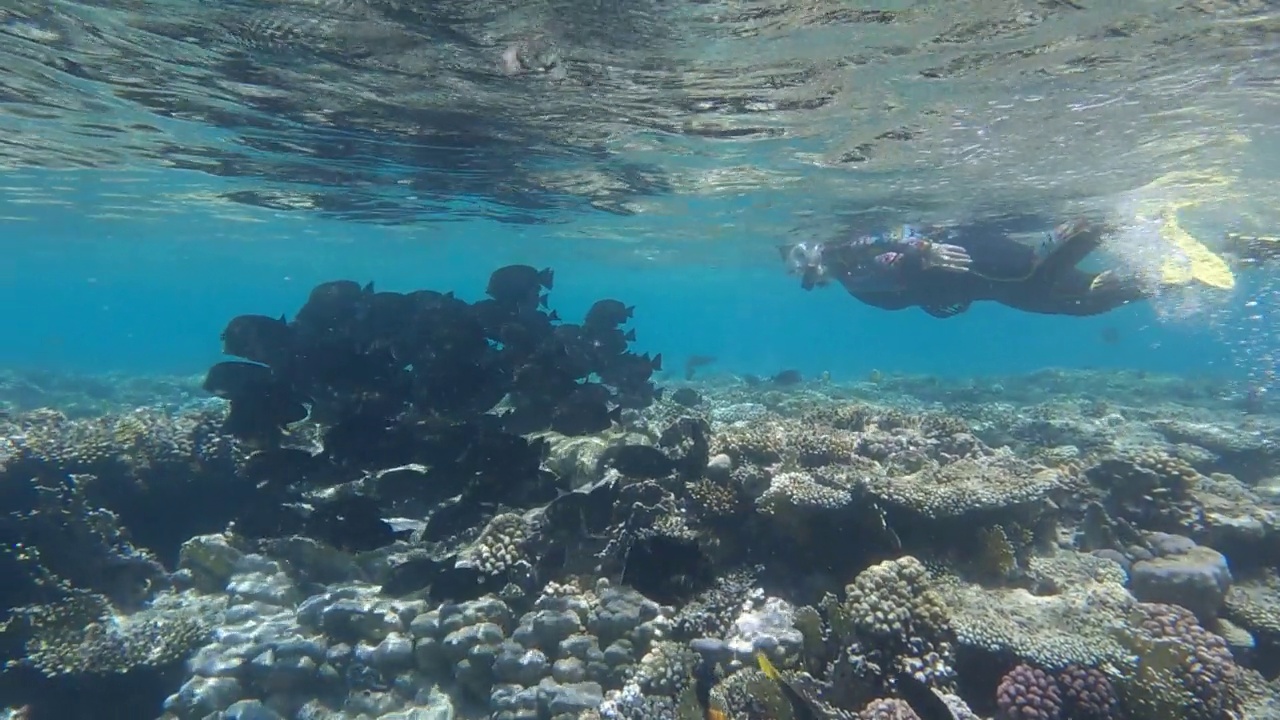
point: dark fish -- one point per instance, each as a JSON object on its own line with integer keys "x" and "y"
{"x": 443, "y": 581}
{"x": 805, "y": 704}
{"x": 519, "y": 283}
{"x": 261, "y": 406}
{"x": 493, "y": 314}
{"x": 261, "y": 422}
{"x": 526, "y": 327}
{"x": 629, "y": 370}
{"x": 704, "y": 679}
{"x": 340, "y": 292}
{"x": 923, "y": 700}
{"x": 584, "y": 415}
{"x": 608, "y": 342}
{"x": 687, "y": 397}
{"x": 548, "y": 374}
{"x": 787, "y": 378}
{"x": 259, "y": 338}
{"x": 575, "y": 344}
{"x": 331, "y": 305}
{"x": 233, "y": 379}
{"x": 693, "y": 362}
{"x": 1110, "y": 335}
{"x": 282, "y": 466}
{"x": 608, "y": 313}
{"x": 427, "y": 304}
{"x": 1254, "y": 399}
{"x": 386, "y": 314}
{"x": 801, "y": 707}
{"x": 639, "y": 461}
{"x": 592, "y": 392}
{"x": 639, "y": 395}
{"x": 353, "y": 523}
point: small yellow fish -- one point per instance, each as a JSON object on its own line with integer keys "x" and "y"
{"x": 801, "y": 708}
{"x": 767, "y": 667}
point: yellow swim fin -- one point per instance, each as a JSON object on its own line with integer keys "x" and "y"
{"x": 1197, "y": 263}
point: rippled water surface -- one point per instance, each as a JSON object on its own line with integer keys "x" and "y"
{"x": 725, "y": 114}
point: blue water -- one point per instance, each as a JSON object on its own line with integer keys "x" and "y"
{"x": 90, "y": 295}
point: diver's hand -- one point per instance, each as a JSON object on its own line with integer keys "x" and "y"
{"x": 949, "y": 258}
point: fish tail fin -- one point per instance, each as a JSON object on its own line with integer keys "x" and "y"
{"x": 547, "y": 278}
{"x": 553, "y": 317}
{"x": 630, "y": 336}
{"x": 615, "y": 415}
{"x": 630, "y": 311}
{"x": 657, "y": 361}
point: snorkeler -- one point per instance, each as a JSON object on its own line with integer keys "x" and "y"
{"x": 906, "y": 268}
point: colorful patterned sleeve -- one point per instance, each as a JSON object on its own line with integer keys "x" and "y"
{"x": 874, "y": 264}
{"x": 901, "y": 239}
{"x": 882, "y": 252}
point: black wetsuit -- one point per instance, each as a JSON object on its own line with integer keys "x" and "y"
{"x": 1006, "y": 271}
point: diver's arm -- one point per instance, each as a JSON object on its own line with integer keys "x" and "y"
{"x": 888, "y": 249}
{"x": 882, "y": 273}
{"x": 905, "y": 239}
{"x": 905, "y": 250}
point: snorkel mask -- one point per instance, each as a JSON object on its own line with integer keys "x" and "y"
{"x": 805, "y": 259}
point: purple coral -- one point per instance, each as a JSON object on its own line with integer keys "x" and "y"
{"x": 1028, "y": 693}
{"x": 1087, "y": 694}
{"x": 888, "y": 709}
{"x": 1209, "y": 671}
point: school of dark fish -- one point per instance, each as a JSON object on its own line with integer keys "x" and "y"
{"x": 359, "y": 361}
{"x": 421, "y": 378}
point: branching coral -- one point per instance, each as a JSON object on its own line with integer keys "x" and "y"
{"x": 501, "y": 546}
{"x": 1256, "y": 608}
{"x": 1145, "y": 472}
{"x": 56, "y": 540}
{"x": 804, "y": 490}
{"x": 892, "y": 619}
{"x": 1029, "y": 693}
{"x": 137, "y": 441}
{"x": 793, "y": 443}
{"x": 81, "y": 636}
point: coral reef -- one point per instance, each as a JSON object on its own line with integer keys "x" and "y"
{"x": 1019, "y": 554}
